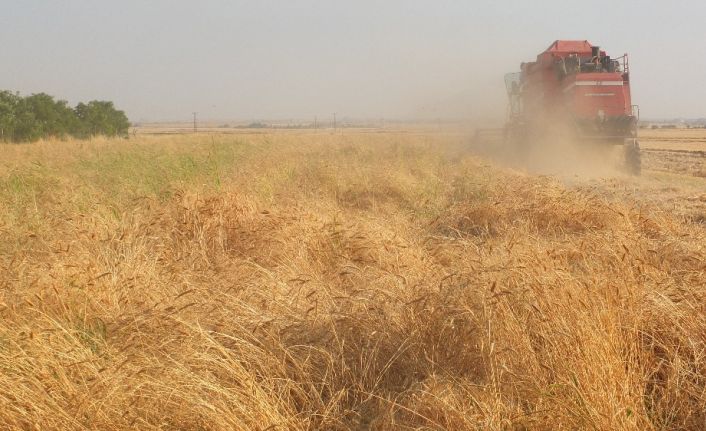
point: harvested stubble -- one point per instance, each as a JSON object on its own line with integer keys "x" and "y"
{"x": 336, "y": 282}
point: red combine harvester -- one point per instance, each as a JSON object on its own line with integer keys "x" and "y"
{"x": 577, "y": 88}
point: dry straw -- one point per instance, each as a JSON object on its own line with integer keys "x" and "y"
{"x": 359, "y": 281}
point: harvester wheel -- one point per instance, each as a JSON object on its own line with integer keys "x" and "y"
{"x": 633, "y": 161}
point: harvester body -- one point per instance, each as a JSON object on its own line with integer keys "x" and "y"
{"x": 578, "y": 87}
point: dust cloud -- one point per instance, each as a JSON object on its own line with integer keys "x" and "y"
{"x": 552, "y": 153}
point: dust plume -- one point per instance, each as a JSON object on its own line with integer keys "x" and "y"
{"x": 555, "y": 151}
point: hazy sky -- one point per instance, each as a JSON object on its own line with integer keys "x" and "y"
{"x": 265, "y": 59}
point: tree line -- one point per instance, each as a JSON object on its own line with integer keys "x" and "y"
{"x": 29, "y": 118}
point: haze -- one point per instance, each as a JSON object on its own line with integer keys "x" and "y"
{"x": 162, "y": 60}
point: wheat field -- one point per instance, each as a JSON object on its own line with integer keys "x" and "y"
{"x": 350, "y": 281}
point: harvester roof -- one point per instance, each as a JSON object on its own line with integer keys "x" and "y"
{"x": 561, "y": 49}
{"x": 570, "y": 47}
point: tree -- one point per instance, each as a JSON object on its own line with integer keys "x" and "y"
{"x": 26, "y": 128}
{"x": 54, "y": 118}
{"x": 8, "y": 110}
{"x": 101, "y": 118}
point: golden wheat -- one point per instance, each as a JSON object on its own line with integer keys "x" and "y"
{"x": 349, "y": 281}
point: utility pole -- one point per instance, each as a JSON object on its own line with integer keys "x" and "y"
{"x": 194, "y": 122}
{"x": 316, "y": 122}
{"x": 334, "y": 121}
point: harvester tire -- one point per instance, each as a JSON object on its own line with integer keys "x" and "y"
{"x": 633, "y": 160}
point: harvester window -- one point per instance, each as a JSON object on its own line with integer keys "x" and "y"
{"x": 572, "y": 64}
{"x": 560, "y": 68}
{"x": 591, "y": 65}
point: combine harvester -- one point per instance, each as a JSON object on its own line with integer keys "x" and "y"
{"x": 574, "y": 91}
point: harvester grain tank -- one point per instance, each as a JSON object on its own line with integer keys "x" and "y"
{"x": 577, "y": 87}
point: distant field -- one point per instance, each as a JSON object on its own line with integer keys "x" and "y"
{"x": 673, "y": 139}
{"x": 178, "y": 128}
{"x": 680, "y": 151}
{"x": 352, "y": 280}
